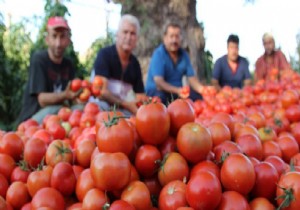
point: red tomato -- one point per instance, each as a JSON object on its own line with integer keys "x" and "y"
{"x": 7, "y": 165}
{"x": 168, "y": 146}
{"x": 34, "y": 151}
{"x": 38, "y": 180}
{"x": 17, "y": 195}
{"x": 151, "y": 118}
{"x": 296, "y": 159}
{"x": 75, "y": 206}
{"x": 172, "y": 196}
{"x": 43, "y": 135}
{"x": 266, "y": 179}
{"x": 94, "y": 199}
{"x": 194, "y": 142}
{"x": 41, "y": 199}
{"x": 289, "y": 147}
{"x": 84, "y": 152}
{"x": 84, "y": 184}
{"x": 181, "y": 112}
{"x": 57, "y": 131}
{"x": 110, "y": 171}
{"x": 271, "y": 148}
{"x": 64, "y": 113}
{"x": 63, "y": 178}
{"x": 204, "y": 191}
{"x": 185, "y": 208}
{"x": 75, "y": 85}
{"x": 206, "y": 165}
{"x": 246, "y": 129}
{"x": 58, "y": 151}
{"x": 295, "y": 130}
{"x": 147, "y": 160}
{"x": 20, "y": 173}
{"x": 12, "y": 144}
{"x": 3, "y": 186}
{"x": 226, "y": 147}
{"x": 174, "y": 167}
{"x": 289, "y": 97}
{"x": 153, "y": 185}
{"x": 138, "y": 195}
{"x": 22, "y": 127}
{"x": 115, "y": 135}
{"x": 91, "y": 108}
{"x": 224, "y": 118}
{"x": 234, "y": 201}
{"x": 292, "y": 113}
{"x": 289, "y": 185}
{"x": 258, "y": 119}
{"x": 219, "y": 133}
{"x": 77, "y": 170}
{"x": 278, "y": 163}
{"x": 98, "y": 80}
{"x": 74, "y": 119}
{"x": 250, "y": 145}
{"x": 237, "y": 173}
{"x": 87, "y": 120}
{"x": 261, "y": 204}
{"x": 85, "y": 95}
{"x": 120, "y": 204}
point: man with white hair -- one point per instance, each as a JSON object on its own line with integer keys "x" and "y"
{"x": 121, "y": 68}
{"x": 271, "y": 62}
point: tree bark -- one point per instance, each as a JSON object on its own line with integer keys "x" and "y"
{"x": 153, "y": 15}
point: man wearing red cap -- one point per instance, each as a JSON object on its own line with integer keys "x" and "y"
{"x": 47, "y": 88}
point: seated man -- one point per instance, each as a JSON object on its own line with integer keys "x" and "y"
{"x": 49, "y": 74}
{"x": 231, "y": 69}
{"x": 121, "y": 68}
{"x": 271, "y": 60}
{"x": 169, "y": 63}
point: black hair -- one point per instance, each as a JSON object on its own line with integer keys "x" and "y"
{"x": 170, "y": 24}
{"x": 233, "y": 38}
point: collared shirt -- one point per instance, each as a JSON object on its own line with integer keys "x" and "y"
{"x": 108, "y": 64}
{"x": 225, "y": 76}
{"x": 263, "y": 68}
{"x": 162, "y": 65}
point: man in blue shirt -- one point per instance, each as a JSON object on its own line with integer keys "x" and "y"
{"x": 169, "y": 63}
{"x": 231, "y": 69}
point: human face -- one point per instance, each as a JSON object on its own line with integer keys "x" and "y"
{"x": 127, "y": 37}
{"x": 232, "y": 51}
{"x": 172, "y": 39}
{"x": 269, "y": 46}
{"x": 57, "y": 40}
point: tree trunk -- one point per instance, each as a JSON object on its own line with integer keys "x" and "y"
{"x": 153, "y": 15}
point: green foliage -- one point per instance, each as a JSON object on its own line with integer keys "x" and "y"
{"x": 15, "y": 47}
{"x": 95, "y": 47}
{"x": 208, "y": 66}
{"x": 295, "y": 62}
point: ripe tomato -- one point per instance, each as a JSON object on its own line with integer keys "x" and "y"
{"x": 295, "y": 130}
{"x": 172, "y": 196}
{"x": 94, "y": 199}
{"x": 64, "y": 113}
{"x": 261, "y": 204}
{"x": 204, "y": 191}
{"x": 250, "y": 145}
{"x": 85, "y": 95}
{"x": 289, "y": 185}
{"x": 84, "y": 152}
{"x": 271, "y": 148}
{"x": 180, "y": 112}
{"x": 17, "y": 194}
{"x": 278, "y": 163}
{"x": 292, "y": 113}
{"x": 115, "y": 135}
{"x": 224, "y": 118}
{"x": 289, "y": 147}
{"x": 63, "y": 178}
{"x": 266, "y": 179}
{"x": 237, "y": 173}
{"x": 43, "y": 135}
{"x": 7, "y": 165}
{"x": 149, "y": 119}
{"x": 226, "y": 147}
{"x": 147, "y": 160}
{"x": 234, "y": 201}
{"x": 173, "y": 167}
{"x": 41, "y": 199}
{"x": 58, "y": 151}
{"x": 169, "y": 145}
{"x": 153, "y": 185}
{"x": 246, "y": 129}
{"x": 110, "y": 171}
{"x": 57, "y": 131}
{"x": 87, "y": 120}
{"x": 75, "y": 206}
{"x": 75, "y": 84}
{"x": 84, "y": 184}
{"x": 34, "y": 151}
{"x": 38, "y": 180}
{"x": 194, "y": 142}
{"x": 22, "y": 127}
{"x": 219, "y": 133}
{"x": 206, "y": 165}
{"x": 120, "y": 204}
{"x": 74, "y": 119}
{"x": 3, "y": 185}
{"x": 98, "y": 81}
{"x": 20, "y": 173}
{"x": 91, "y": 108}
{"x": 258, "y": 119}
{"x": 289, "y": 97}
{"x": 138, "y": 195}
{"x": 11, "y": 144}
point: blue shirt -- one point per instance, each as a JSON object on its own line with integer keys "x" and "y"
{"x": 108, "y": 64}
{"x": 162, "y": 65}
{"x": 223, "y": 73}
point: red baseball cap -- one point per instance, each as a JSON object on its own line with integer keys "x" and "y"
{"x": 57, "y": 22}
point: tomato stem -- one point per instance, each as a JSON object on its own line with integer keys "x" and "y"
{"x": 287, "y": 197}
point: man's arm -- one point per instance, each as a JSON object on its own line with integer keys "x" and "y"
{"x": 195, "y": 83}
{"x": 247, "y": 82}
{"x": 216, "y": 84}
{"x": 165, "y": 86}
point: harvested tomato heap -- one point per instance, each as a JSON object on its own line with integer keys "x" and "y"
{"x": 236, "y": 149}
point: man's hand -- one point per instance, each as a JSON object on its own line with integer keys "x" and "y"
{"x": 69, "y": 94}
